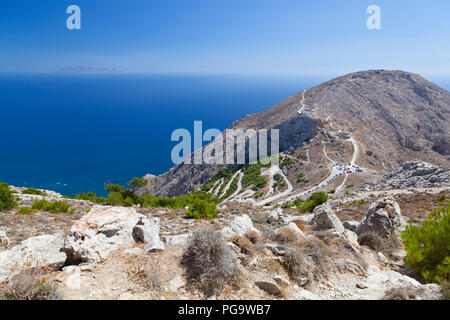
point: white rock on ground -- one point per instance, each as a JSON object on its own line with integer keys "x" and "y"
{"x": 384, "y": 218}
{"x": 104, "y": 230}
{"x": 324, "y": 217}
{"x": 44, "y": 250}
{"x": 177, "y": 240}
{"x": 147, "y": 231}
{"x": 239, "y": 226}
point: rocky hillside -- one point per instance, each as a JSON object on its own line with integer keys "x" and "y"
{"x": 412, "y": 175}
{"x": 103, "y": 252}
{"x": 392, "y": 116}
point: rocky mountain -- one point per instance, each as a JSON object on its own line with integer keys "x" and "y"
{"x": 391, "y": 117}
{"x": 412, "y": 175}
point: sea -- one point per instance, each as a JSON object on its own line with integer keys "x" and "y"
{"x": 73, "y": 133}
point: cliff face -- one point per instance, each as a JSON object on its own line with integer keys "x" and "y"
{"x": 395, "y": 116}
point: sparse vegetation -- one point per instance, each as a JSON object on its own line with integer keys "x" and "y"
{"x": 244, "y": 244}
{"x": 316, "y": 199}
{"x": 55, "y": 207}
{"x": 441, "y": 199}
{"x": 285, "y": 236}
{"x": 400, "y": 293}
{"x": 377, "y": 243}
{"x": 29, "y": 284}
{"x": 7, "y": 198}
{"x": 314, "y": 251}
{"x": 25, "y": 210}
{"x": 428, "y": 246}
{"x": 252, "y": 176}
{"x": 136, "y": 183}
{"x": 201, "y": 209}
{"x": 142, "y": 271}
{"x": 445, "y": 287}
{"x": 209, "y": 263}
{"x": 34, "y": 191}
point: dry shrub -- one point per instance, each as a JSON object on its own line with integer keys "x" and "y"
{"x": 30, "y": 284}
{"x": 342, "y": 255}
{"x": 142, "y": 271}
{"x": 400, "y": 293}
{"x": 445, "y": 287}
{"x": 209, "y": 263}
{"x": 253, "y": 236}
{"x": 309, "y": 259}
{"x": 273, "y": 266}
{"x": 378, "y": 243}
{"x": 244, "y": 244}
{"x": 301, "y": 225}
{"x": 285, "y": 236}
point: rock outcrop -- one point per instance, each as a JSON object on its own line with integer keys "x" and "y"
{"x": 325, "y": 218}
{"x": 40, "y": 251}
{"x": 383, "y": 218}
{"x": 106, "y": 229}
{"x": 239, "y": 226}
{"x": 412, "y": 175}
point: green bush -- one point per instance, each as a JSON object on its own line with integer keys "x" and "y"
{"x": 136, "y": 183}
{"x": 428, "y": 246}
{"x": 25, "y": 210}
{"x": 34, "y": 191}
{"x": 201, "y": 209}
{"x": 316, "y": 199}
{"x": 55, "y": 207}
{"x": 7, "y": 198}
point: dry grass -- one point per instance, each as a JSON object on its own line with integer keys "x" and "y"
{"x": 445, "y": 287}
{"x": 144, "y": 272}
{"x": 285, "y": 236}
{"x": 253, "y": 237}
{"x": 377, "y": 243}
{"x": 30, "y": 284}
{"x": 308, "y": 259}
{"x": 244, "y": 244}
{"x": 400, "y": 293}
{"x": 209, "y": 263}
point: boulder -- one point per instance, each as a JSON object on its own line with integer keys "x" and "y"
{"x": 239, "y": 226}
{"x": 147, "y": 231}
{"x": 384, "y": 218}
{"x": 269, "y": 287}
{"x": 177, "y": 240}
{"x": 325, "y": 218}
{"x": 351, "y": 225}
{"x": 44, "y": 250}
{"x": 106, "y": 229}
{"x": 275, "y": 215}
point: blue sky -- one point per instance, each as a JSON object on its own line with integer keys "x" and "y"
{"x": 226, "y": 36}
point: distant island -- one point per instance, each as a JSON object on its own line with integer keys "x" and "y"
{"x": 88, "y": 70}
